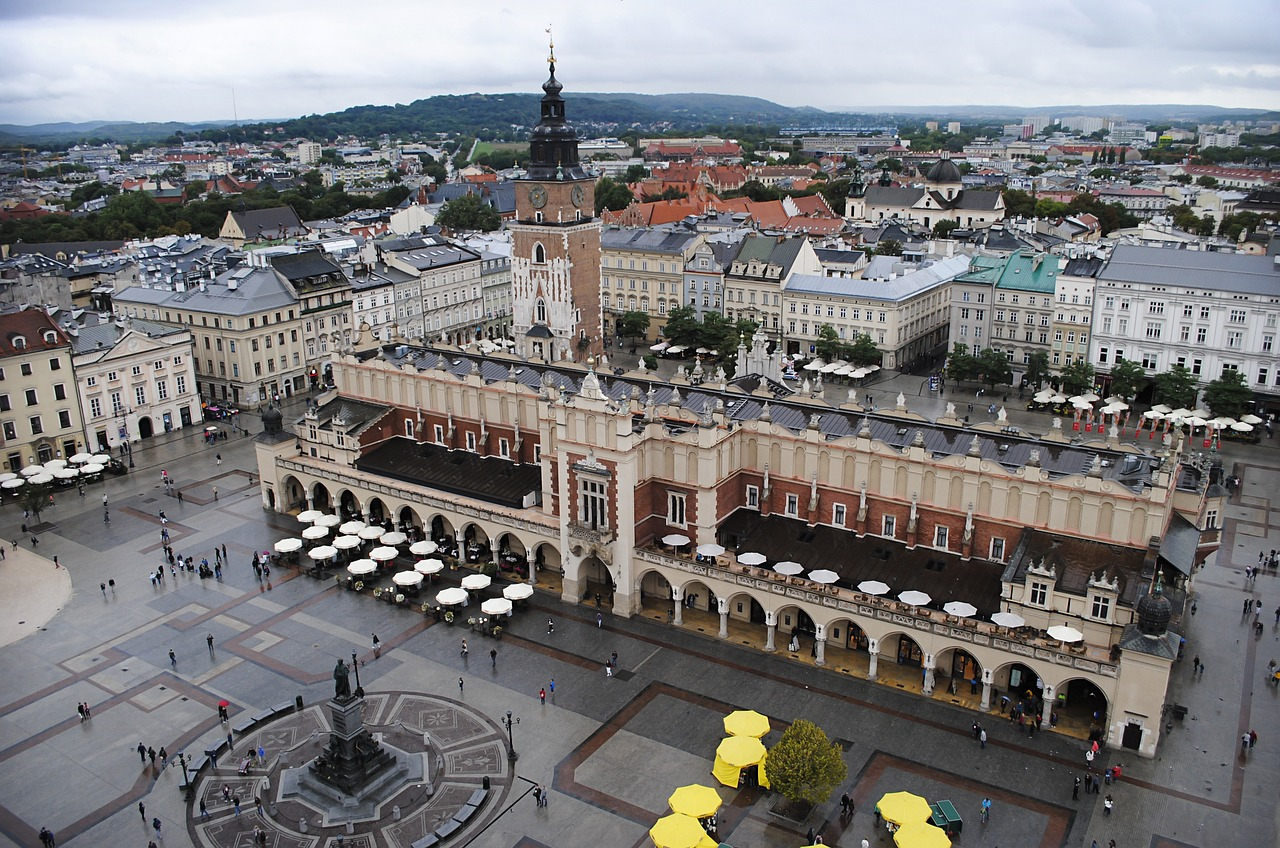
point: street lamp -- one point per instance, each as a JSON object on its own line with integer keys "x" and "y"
{"x": 508, "y": 723}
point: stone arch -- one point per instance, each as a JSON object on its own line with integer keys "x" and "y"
{"x": 440, "y": 530}
{"x": 1015, "y": 678}
{"x": 1043, "y": 505}
{"x": 1138, "y": 524}
{"x": 407, "y": 519}
{"x": 902, "y": 648}
{"x": 846, "y": 632}
{"x": 1075, "y": 506}
{"x": 1013, "y": 505}
{"x": 654, "y": 588}
{"x": 348, "y": 504}
{"x": 539, "y": 253}
{"x": 955, "y": 499}
{"x": 793, "y": 618}
{"x": 745, "y": 607}
{"x": 1076, "y": 700}
{"x": 1106, "y": 520}
{"x": 546, "y": 557}
{"x": 377, "y": 510}
{"x": 476, "y": 543}
{"x": 292, "y": 495}
{"x": 900, "y": 482}
{"x": 984, "y": 498}
{"x": 798, "y": 470}
{"x": 957, "y": 664}
{"x": 320, "y": 498}
{"x": 698, "y": 594}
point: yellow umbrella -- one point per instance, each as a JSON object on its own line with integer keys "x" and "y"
{"x": 903, "y": 808}
{"x": 680, "y": 831}
{"x": 741, "y": 751}
{"x": 746, "y": 723}
{"x": 695, "y": 800}
{"x": 920, "y": 835}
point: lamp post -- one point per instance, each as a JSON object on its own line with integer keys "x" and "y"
{"x": 355, "y": 666}
{"x": 509, "y": 723}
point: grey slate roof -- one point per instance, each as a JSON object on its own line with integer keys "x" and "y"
{"x": 907, "y": 285}
{"x": 1193, "y": 269}
{"x": 256, "y": 290}
{"x": 277, "y": 222}
{"x": 308, "y": 263}
{"x": 647, "y": 240}
{"x": 107, "y": 333}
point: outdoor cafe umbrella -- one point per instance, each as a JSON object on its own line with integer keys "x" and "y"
{"x": 903, "y": 808}
{"x": 675, "y": 540}
{"x": 352, "y": 528}
{"x": 81, "y": 458}
{"x": 788, "y": 568}
{"x": 346, "y": 543}
{"x": 711, "y": 550}
{"x": 327, "y": 521}
{"x": 1251, "y": 419}
{"x": 407, "y": 578}
{"x": 382, "y": 554}
{"x": 476, "y": 582}
{"x": 680, "y": 831}
{"x": 1200, "y": 412}
{"x": 746, "y": 723}
{"x": 395, "y": 537}
{"x": 1153, "y": 415}
{"x": 73, "y": 473}
{"x": 314, "y": 532}
{"x": 736, "y": 753}
{"x": 960, "y": 609}
{"x": 8, "y": 475}
{"x": 815, "y": 365}
{"x": 32, "y": 470}
{"x": 873, "y": 587}
{"x": 752, "y": 559}
{"x": 12, "y": 484}
{"x": 914, "y": 598}
{"x": 212, "y": 428}
{"x": 517, "y": 592}
{"x": 322, "y": 552}
{"x": 309, "y": 515}
{"x": 423, "y": 548}
{"x": 496, "y": 606}
{"x": 288, "y": 546}
{"x": 1195, "y": 421}
{"x": 362, "y": 567}
{"x": 1239, "y": 427}
{"x": 372, "y": 532}
{"x": 40, "y": 479}
{"x": 1063, "y": 633}
{"x": 823, "y": 575}
{"x": 695, "y": 800}
{"x": 1161, "y": 408}
{"x": 1008, "y": 619}
{"x": 451, "y": 597}
{"x": 100, "y": 458}
{"x": 55, "y": 464}
{"x": 921, "y": 835}
{"x": 428, "y": 566}
{"x": 1222, "y": 421}
{"x": 91, "y": 468}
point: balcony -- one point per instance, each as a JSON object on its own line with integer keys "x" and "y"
{"x": 593, "y": 535}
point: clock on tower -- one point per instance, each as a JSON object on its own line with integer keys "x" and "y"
{"x": 555, "y": 261}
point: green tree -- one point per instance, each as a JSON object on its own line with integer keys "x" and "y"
{"x": 890, "y": 164}
{"x": 961, "y": 365}
{"x": 805, "y": 766}
{"x": 1077, "y": 378}
{"x": 889, "y": 247}
{"x": 943, "y": 228}
{"x": 633, "y": 325}
{"x": 194, "y": 190}
{"x": 33, "y": 498}
{"x": 1037, "y": 368}
{"x": 863, "y": 351}
{"x": 1177, "y": 387}
{"x": 829, "y": 345}
{"x": 1019, "y": 204}
{"x": 835, "y": 192}
{"x": 994, "y": 368}
{"x": 1127, "y": 378}
{"x": 1228, "y": 395}
{"x": 635, "y": 173}
{"x": 612, "y": 195}
{"x": 683, "y": 327}
{"x": 469, "y": 212}
{"x": 1207, "y": 182}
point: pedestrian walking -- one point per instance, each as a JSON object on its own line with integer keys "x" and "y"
{"x": 235, "y": 802}
{"x": 982, "y": 739}
{"x": 459, "y": 685}
{"x": 493, "y": 657}
{"x": 542, "y": 790}
{"x": 465, "y": 650}
{"x": 608, "y": 669}
{"x": 204, "y": 810}
{"x": 1247, "y": 603}
{"x": 1244, "y": 743}
{"x": 224, "y": 551}
{"x": 151, "y": 754}
{"x": 164, "y": 757}
{"x": 218, "y": 457}
{"x": 106, "y": 517}
{"x": 173, "y": 658}
{"x": 88, "y": 712}
{"x": 537, "y": 796}
{"x": 986, "y": 809}
{"x": 179, "y": 497}
{"x": 542, "y": 695}
{"x": 551, "y": 626}
{"x": 1075, "y": 789}
{"x": 1253, "y": 739}
{"x": 209, "y": 641}
{"x": 142, "y": 753}
{"x": 377, "y": 647}
{"x": 552, "y": 687}
{"x": 215, "y": 490}
{"x": 80, "y": 709}
{"x": 599, "y": 620}
{"x": 46, "y": 838}
{"x": 142, "y": 810}
{"x": 103, "y": 587}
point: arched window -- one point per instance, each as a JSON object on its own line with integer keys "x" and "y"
{"x": 539, "y": 254}
{"x": 540, "y": 308}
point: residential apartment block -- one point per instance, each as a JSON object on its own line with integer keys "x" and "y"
{"x": 40, "y": 416}
{"x": 1006, "y": 303}
{"x": 642, "y": 270}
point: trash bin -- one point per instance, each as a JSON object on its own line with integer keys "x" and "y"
{"x": 297, "y": 703}
{"x": 485, "y": 782}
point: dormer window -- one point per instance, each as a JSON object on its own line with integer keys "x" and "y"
{"x": 19, "y": 342}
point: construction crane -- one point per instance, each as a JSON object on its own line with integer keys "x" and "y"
{"x": 24, "y": 151}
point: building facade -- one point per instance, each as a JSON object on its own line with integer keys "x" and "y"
{"x": 1006, "y": 303}
{"x": 40, "y": 416}
{"x": 642, "y": 270}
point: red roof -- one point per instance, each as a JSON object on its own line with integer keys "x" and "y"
{"x": 29, "y": 327}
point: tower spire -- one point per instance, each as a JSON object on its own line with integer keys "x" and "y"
{"x": 551, "y": 59}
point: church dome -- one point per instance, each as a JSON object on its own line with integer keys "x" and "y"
{"x": 272, "y": 420}
{"x": 943, "y": 171}
{"x": 1154, "y": 613}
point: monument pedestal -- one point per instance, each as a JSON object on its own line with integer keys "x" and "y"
{"x": 354, "y": 759}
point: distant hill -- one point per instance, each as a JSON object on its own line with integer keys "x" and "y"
{"x": 1149, "y": 113}
{"x": 62, "y": 134}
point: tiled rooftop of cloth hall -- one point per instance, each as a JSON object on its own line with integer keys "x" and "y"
{"x": 751, "y": 397}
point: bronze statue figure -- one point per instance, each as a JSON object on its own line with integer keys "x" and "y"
{"x": 341, "y": 686}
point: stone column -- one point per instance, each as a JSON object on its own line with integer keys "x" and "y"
{"x": 722, "y": 606}
{"x": 771, "y": 621}
{"x": 985, "y": 706}
{"x": 873, "y": 652}
{"x": 1049, "y": 695}
{"x": 311, "y": 501}
{"x": 677, "y": 600}
{"x": 820, "y": 646}
{"x": 928, "y": 674}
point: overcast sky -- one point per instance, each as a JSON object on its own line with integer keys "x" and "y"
{"x": 78, "y": 60}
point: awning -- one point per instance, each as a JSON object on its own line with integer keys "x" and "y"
{"x": 1178, "y": 547}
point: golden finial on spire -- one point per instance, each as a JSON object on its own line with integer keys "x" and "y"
{"x": 551, "y": 39}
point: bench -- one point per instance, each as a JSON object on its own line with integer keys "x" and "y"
{"x": 196, "y": 763}
{"x": 264, "y": 715}
{"x": 447, "y": 829}
{"x": 428, "y": 841}
{"x": 282, "y": 708}
{"x": 477, "y": 797}
{"x": 244, "y": 725}
{"x": 465, "y": 813}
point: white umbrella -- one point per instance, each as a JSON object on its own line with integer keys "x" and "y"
{"x": 55, "y": 464}
{"x": 1162, "y": 408}
{"x": 1008, "y": 619}
{"x": 1117, "y": 404}
{"x": 346, "y": 543}
{"x": 383, "y": 554}
{"x": 40, "y": 479}
{"x": 395, "y": 537}
{"x": 859, "y": 373}
{"x": 711, "y": 550}
{"x": 313, "y": 533}
{"x": 752, "y": 559}
{"x": 1241, "y": 427}
{"x": 328, "y": 521}
{"x": 1065, "y": 634}
{"x": 428, "y": 566}
{"x": 660, "y": 346}
{"x": 788, "y": 568}
{"x": 362, "y": 567}
{"x": 843, "y": 371}
{"x": 423, "y": 548}
{"x": 1251, "y": 419}
{"x": 1110, "y": 409}
{"x": 73, "y": 473}
{"x": 100, "y": 458}
{"x": 1153, "y": 415}
{"x": 212, "y": 428}
{"x": 873, "y": 367}
{"x": 451, "y": 597}
{"x": 1221, "y": 421}
{"x": 1058, "y": 398}
{"x": 496, "y": 606}
{"x": 309, "y": 515}
{"x": 407, "y": 578}
{"x": 517, "y": 592}
{"x": 873, "y": 587}
{"x": 1195, "y": 421}
{"x": 32, "y": 470}
{"x": 830, "y": 368}
{"x": 372, "y": 532}
{"x": 1180, "y": 412}
{"x": 1115, "y": 399}
{"x": 1089, "y": 396}
{"x": 12, "y": 484}
{"x": 288, "y": 546}
{"x": 1079, "y": 403}
{"x": 914, "y": 598}
{"x": 82, "y": 457}
{"x": 823, "y": 575}
{"x": 323, "y": 552}
{"x": 815, "y": 365}
{"x": 959, "y": 608}
{"x": 1200, "y": 412}
{"x": 702, "y": 350}
{"x": 675, "y": 540}
{"x": 91, "y": 468}
{"x": 351, "y": 528}
{"x": 476, "y": 582}
{"x": 7, "y": 476}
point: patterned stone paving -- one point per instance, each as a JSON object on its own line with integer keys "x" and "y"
{"x": 465, "y": 748}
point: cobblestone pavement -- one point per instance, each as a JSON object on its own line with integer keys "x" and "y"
{"x": 610, "y": 751}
